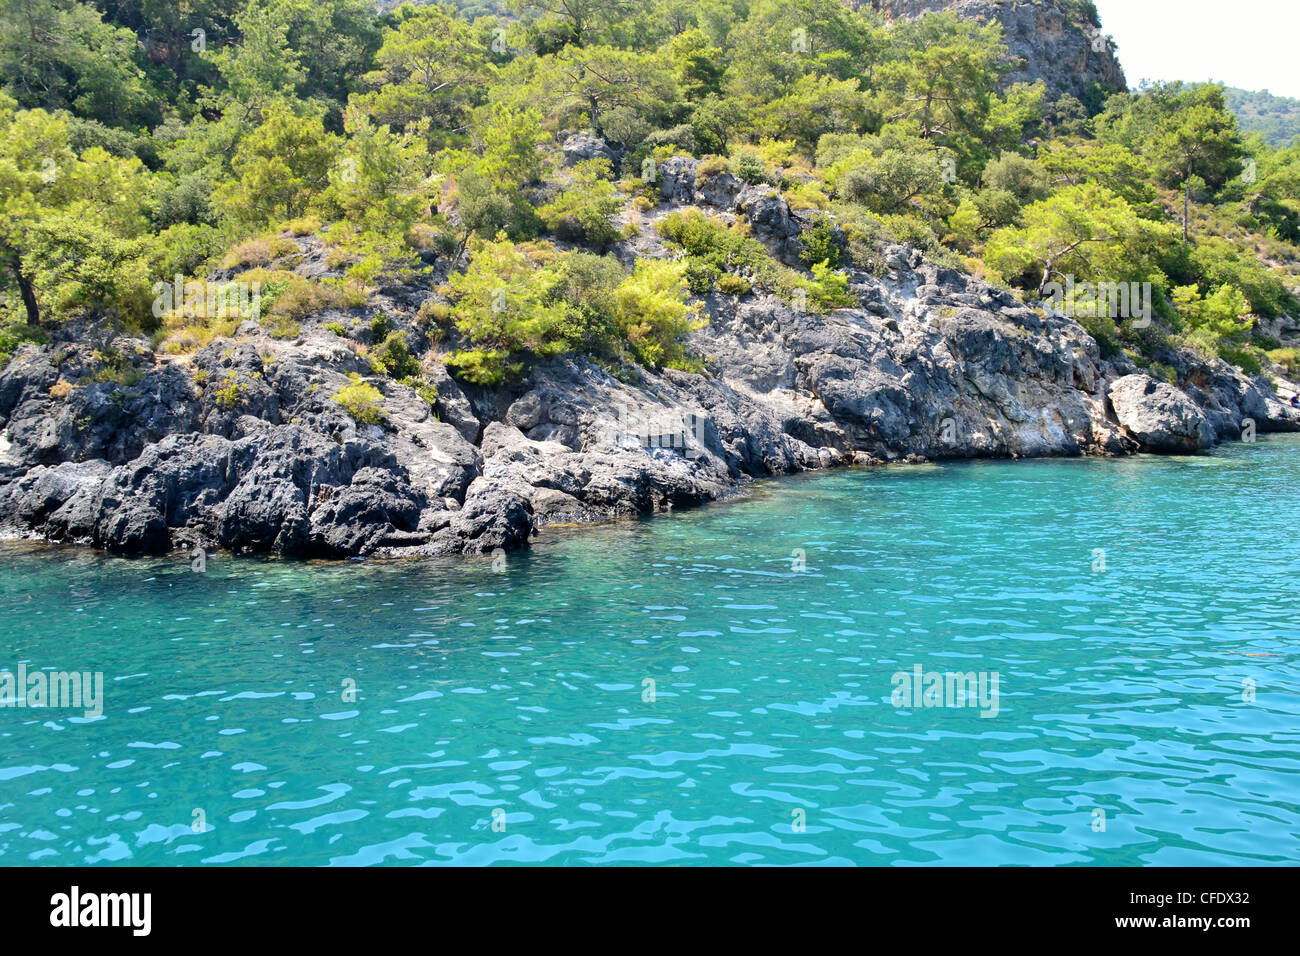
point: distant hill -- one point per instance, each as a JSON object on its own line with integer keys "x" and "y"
{"x": 1276, "y": 117}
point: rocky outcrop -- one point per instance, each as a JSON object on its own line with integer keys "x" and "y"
{"x": 1058, "y": 45}
{"x": 245, "y": 446}
{"x": 581, "y": 147}
{"x": 1159, "y": 416}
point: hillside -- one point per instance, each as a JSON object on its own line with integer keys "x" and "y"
{"x": 1061, "y": 44}
{"x": 327, "y": 281}
{"x": 1276, "y": 118}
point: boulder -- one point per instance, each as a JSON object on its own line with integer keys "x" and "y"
{"x": 768, "y": 214}
{"x": 581, "y": 147}
{"x": 677, "y": 178}
{"x": 1159, "y": 416}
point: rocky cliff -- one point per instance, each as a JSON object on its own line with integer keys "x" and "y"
{"x": 1061, "y": 43}
{"x": 242, "y": 445}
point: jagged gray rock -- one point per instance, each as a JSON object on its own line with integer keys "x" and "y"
{"x": 584, "y": 146}
{"x": 243, "y": 446}
{"x": 1061, "y": 48}
{"x": 1160, "y": 416}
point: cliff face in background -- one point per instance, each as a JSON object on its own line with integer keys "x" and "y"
{"x": 1055, "y": 41}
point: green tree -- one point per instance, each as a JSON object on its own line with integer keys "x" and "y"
{"x": 780, "y": 42}
{"x": 335, "y": 41}
{"x": 583, "y": 18}
{"x": 72, "y": 228}
{"x": 505, "y": 143}
{"x": 503, "y": 305}
{"x": 586, "y": 208}
{"x": 60, "y": 54}
{"x": 814, "y": 107}
{"x": 1218, "y": 321}
{"x": 382, "y": 181}
{"x": 1199, "y": 140}
{"x": 432, "y": 64}
{"x": 1085, "y": 232}
{"x": 943, "y": 75}
{"x": 586, "y": 284}
{"x": 1120, "y": 169}
{"x": 1023, "y": 178}
{"x": 279, "y": 169}
{"x": 888, "y": 182}
{"x": 584, "y": 86}
{"x": 652, "y": 310}
{"x": 699, "y": 65}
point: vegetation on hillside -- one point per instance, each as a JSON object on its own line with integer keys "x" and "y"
{"x": 138, "y": 144}
{"x": 1276, "y": 118}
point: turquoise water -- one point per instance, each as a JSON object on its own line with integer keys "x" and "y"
{"x": 506, "y": 716}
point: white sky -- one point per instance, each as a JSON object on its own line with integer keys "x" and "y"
{"x": 1253, "y": 44}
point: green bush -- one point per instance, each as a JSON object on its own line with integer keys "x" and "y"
{"x": 485, "y": 367}
{"x": 12, "y": 336}
{"x": 423, "y": 387}
{"x": 1218, "y": 323}
{"x": 651, "y": 311}
{"x": 585, "y": 210}
{"x": 230, "y": 392}
{"x": 1164, "y": 373}
{"x": 487, "y": 208}
{"x": 1218, "y": 263}
{"x": 281, "y": 326}
{"x": 362, "y": 401}
{"x": 710, "y": 168}
{"x": 515, "y": 301}
{"x": 1287, "y": 358}
{"x": 819, "y": 244}
{"x": 828, "y": 289}
{"x": 1245, "y": 358}
{"x": 586, "y": 286}
{"x": 733, "y": 285}
{"x": 749, "y": 166}
{"x": 702, "y": 276}
{"x": 1102, "y": 328}
{"x": 714, "y": 248}
{"x": 393, "y": 357}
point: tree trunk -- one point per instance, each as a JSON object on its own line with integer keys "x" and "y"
{"x": 1187, "y": 191}
{"x": 25, "y": 289}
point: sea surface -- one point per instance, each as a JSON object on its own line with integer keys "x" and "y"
{"x": 716, "y": 686}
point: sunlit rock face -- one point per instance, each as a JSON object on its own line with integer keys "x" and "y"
{"x": 1061, "y": 44}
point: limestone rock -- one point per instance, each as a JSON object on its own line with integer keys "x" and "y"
{"x": 1159, "y": 416}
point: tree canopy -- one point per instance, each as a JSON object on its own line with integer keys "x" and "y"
{"x": 423, "y": 143}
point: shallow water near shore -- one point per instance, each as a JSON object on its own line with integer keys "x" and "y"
{"x": 710, "y": 687}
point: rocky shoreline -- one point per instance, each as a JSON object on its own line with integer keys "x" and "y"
{"x": 242, "y": 447}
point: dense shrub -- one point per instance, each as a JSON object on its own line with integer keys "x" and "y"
{"x": 585, "y": 210}
{"x": 361, "y": 400}
{"x": 393, "y": 357}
